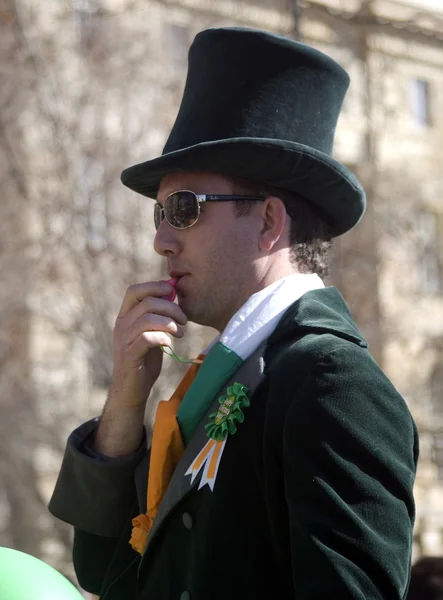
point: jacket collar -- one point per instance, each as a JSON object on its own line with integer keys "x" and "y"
{"x": 318, "y": 311}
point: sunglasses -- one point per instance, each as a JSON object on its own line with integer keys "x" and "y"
{"x": 182, "y": 209}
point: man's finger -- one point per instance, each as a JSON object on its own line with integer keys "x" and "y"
{"x": 146, "y": 341}
{"x": 138, "y": 292}
{"x": 156, "y": 306}
{"x": 150, "y": 324}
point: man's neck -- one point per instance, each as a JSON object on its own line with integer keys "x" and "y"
{"x": 267, "y": 280}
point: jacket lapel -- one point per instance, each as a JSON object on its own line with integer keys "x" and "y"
{"x": 249, "y": 374}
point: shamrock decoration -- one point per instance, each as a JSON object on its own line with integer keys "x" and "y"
{"x": 223, "y": 421}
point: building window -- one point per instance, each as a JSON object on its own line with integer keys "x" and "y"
{"x": 419, "y": 99}
{"x": 430, "y": 268}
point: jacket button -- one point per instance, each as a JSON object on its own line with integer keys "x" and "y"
{"x": 187, "y": 522}
{"x": 185, "y": 596}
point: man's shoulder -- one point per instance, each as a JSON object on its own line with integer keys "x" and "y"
{"x": 315, "y": 326}
{"x": 327, "y": 365}
{"x": 318, "y": 312}
{"x": 327, "y": 377}
{"x": 302, "y": 354}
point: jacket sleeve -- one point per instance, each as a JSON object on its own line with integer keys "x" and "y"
{"x": 349, "y": 458}
{"x": 92, "y": 494}
{"x": 98, "y": 497}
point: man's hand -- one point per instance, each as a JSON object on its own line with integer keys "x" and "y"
{"x": 144, "y": 323}
{"x": 142, "y": 326}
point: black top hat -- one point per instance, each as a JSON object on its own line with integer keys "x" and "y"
{"x": 262, "y": 107}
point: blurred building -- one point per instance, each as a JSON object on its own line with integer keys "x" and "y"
{"x": 98, "y": 89}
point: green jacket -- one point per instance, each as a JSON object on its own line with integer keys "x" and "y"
{"x": 313, "y": 497}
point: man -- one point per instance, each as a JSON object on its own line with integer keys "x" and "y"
{"x": 283, "y": 465}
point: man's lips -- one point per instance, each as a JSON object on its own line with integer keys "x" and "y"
{"x": 179, "y": 280}
{"x": 177, "y": 277}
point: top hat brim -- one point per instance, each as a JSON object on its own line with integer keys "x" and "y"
{"x": 316, "y": 176}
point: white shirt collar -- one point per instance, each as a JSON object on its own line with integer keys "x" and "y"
{"x": 258, "y": 317}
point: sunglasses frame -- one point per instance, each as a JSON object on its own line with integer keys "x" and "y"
{"x": 200, "y": 199}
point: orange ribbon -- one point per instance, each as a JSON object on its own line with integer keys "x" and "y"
{"x": 166, "y": 452}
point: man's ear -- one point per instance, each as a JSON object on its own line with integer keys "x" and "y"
{"x": 273, "y": 213}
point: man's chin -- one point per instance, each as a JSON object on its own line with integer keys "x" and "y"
{"x": 196, "y": 314}
{"x": 185, "y": 304}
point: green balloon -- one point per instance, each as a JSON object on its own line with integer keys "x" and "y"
{"x": 24, "y": 577}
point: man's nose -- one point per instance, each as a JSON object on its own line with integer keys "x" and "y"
{"x": 166, "y": 240}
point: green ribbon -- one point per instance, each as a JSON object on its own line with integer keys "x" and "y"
{"x": 218, "y": 367}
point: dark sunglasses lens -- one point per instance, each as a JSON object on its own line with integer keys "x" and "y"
{"x": 157, "y": 215}
{"x": 181, "y": 209}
